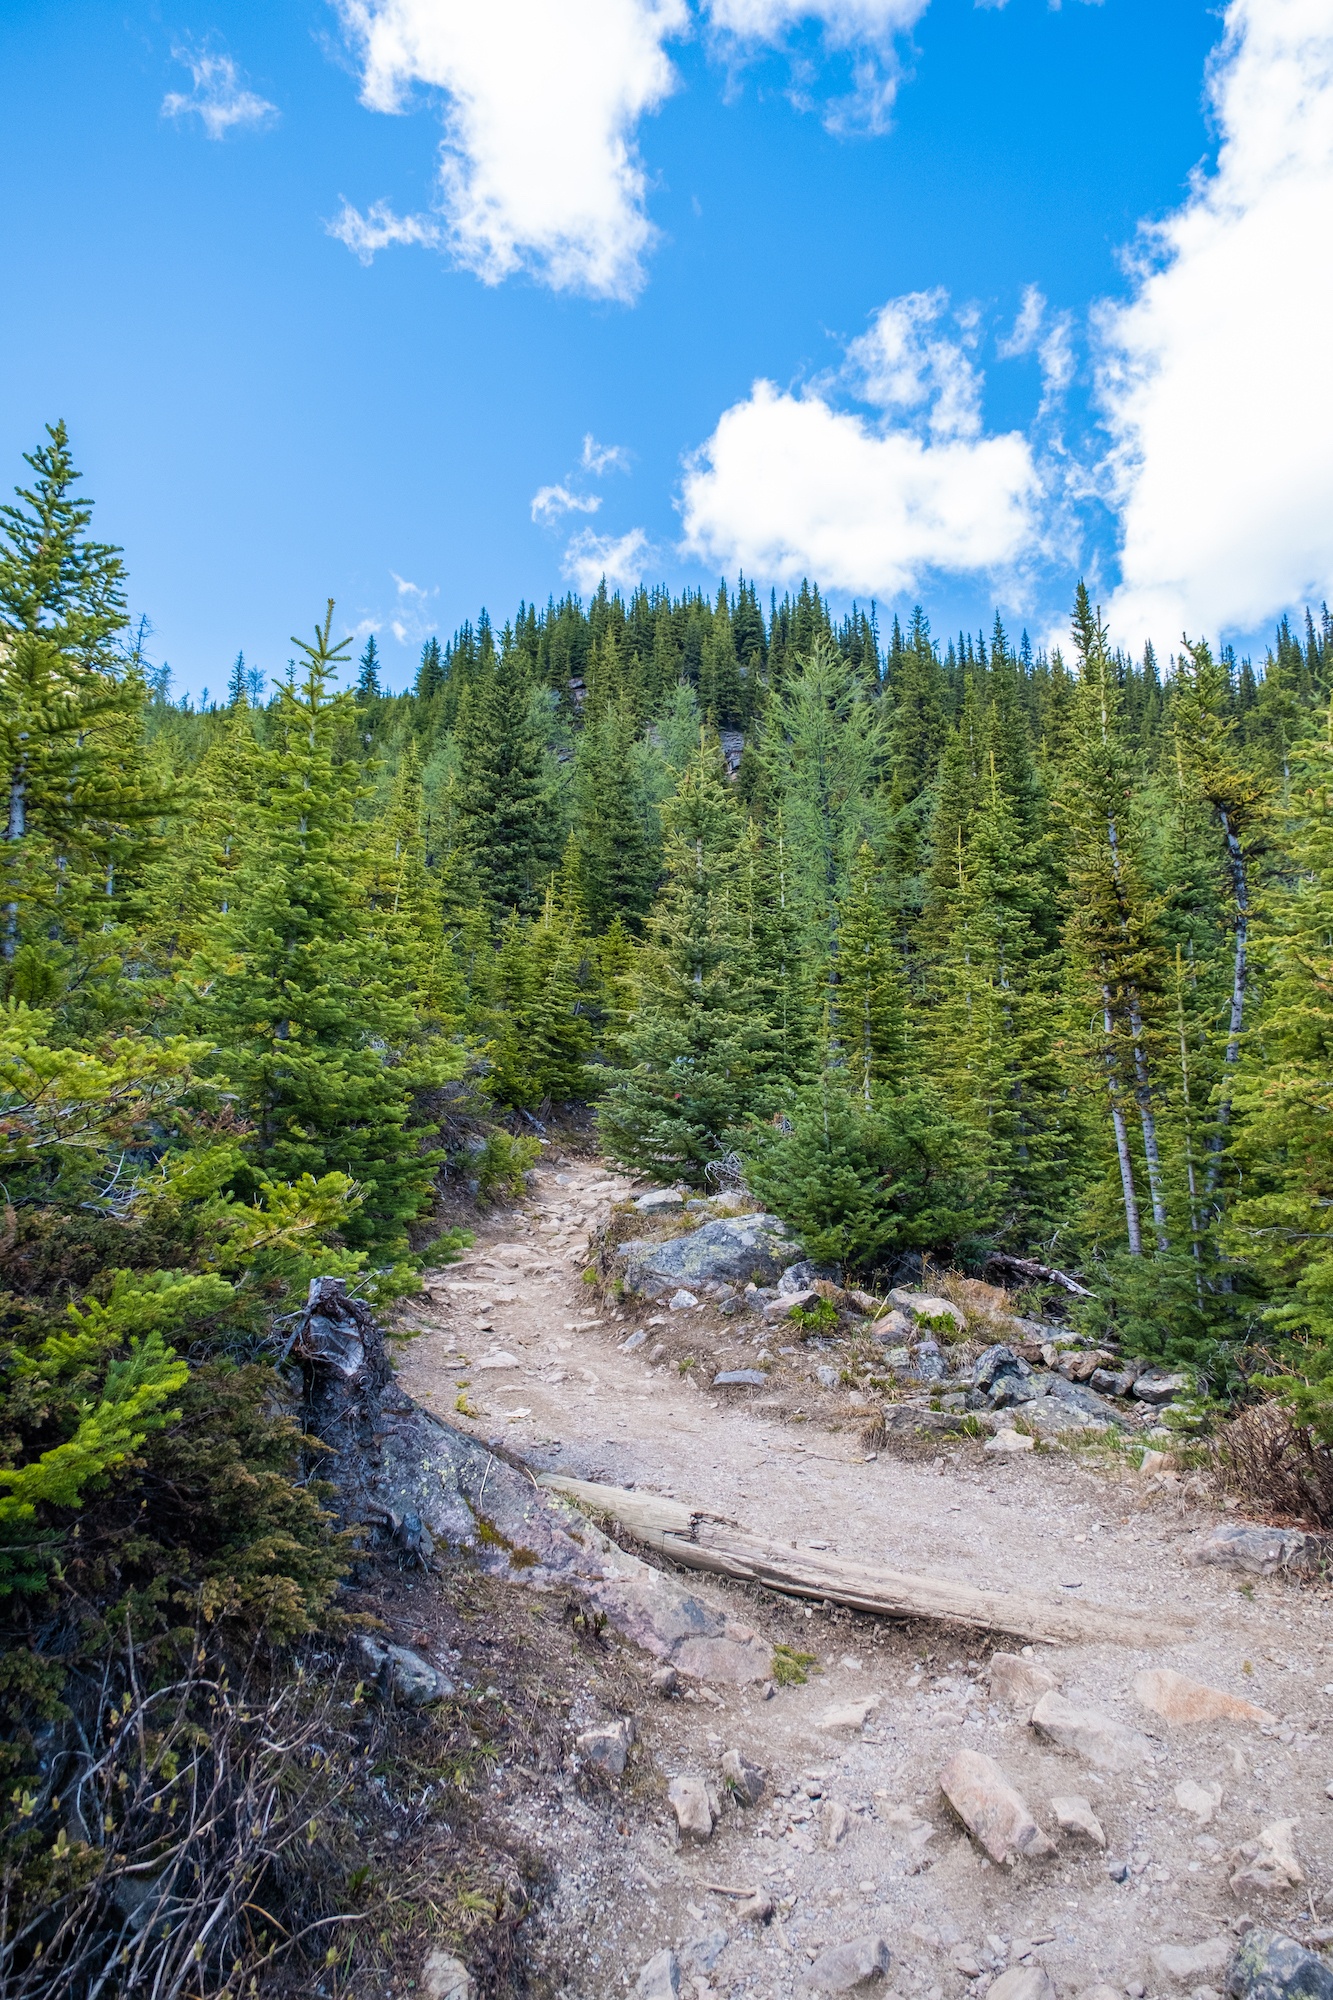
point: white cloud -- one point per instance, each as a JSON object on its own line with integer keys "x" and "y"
{"x": 379, "y": 227}
{"x": 600, "y": 458}
{"x": 1050, "y": 339}
{"x": 219, "y": 99}
{"x": 791, "y": 485}
{"x": 412, "y": 622}
{"x": 1216, "y": 380}
{"x": 539, "y": 167}
{"x": 870, "y": 27}
{"x": 550, "y": 502}
{"x": 618, "y": 558}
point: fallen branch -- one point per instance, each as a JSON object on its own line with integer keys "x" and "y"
{"x": 1028, "y": 1267}
{"x": 699, "y": 1540}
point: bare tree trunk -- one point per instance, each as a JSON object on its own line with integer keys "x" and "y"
{"x": 1132, "y": 1225}
{"x": 16, "y": 827}
{"x": 1239, "y": 972}
{"x": 1148, "y": 1120}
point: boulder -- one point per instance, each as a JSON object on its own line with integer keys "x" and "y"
{"x": 1085, "y": 1732}
{"x": 1269, "y": 1966}
{"x": 1192, "y": 1964}
{"x": 1261, "y": 1551}
{"x": 659, "y": 1200}
{"x": 740, "y": 1378}
{"x": 804, "y": 1276}
{"x": 688, "y": 1798}
{"x": 1022, "y": 1982}
{"x": 787, "y": 1303}
{"x": 682, "y": 1301}
{"x": 1079, "y": 1396}
{"x": 1160, "y": 1385}
{"x": 999, "y": 1379}
{"x": 660, "y": 1977}
{"x": 1009, "y": 1441}
{"x": 848, "y": 1716}
{"x": 849, "y": 1968}
{"x": 1200, "y": 1801}
{"x": 1020, "y": 1682}
{"x": 1269, "y": 1863}
{"x": 928, "y": 1306}
{"x": 1080, "y": 1364}
{"x": 731, "y": 1250}
{"x": 1176, "y": 1698}
{"x": 744, "y": 1780}
{"x": 607, "y": 1748}
{"x": 1074, "y": 1814}
{"x": 992, "y": 1811}
{"x": 403, "y": 1675}
{"x": 444, "y": 1977}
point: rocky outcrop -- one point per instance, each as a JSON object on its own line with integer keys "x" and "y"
{"x": 733, "y": 1250}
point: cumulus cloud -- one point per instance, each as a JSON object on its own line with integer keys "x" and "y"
{"x": 1215, "y": 375}
{"x": 619, "y": 558}
{"x": 600, "y": 458}
{"x": 549, "y": 503}
{"x": 869, "y": 27}
{"x": 539, "y": 167}
{"x": 791, "y": 485}
{"x": 219, "y": 99}
{"x": 1050, "y": 339}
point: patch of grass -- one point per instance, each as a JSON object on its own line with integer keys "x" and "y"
{"x": 463, "y": 1407}
{"x": 793, "y": 1669}
{"x": 821, "y": 1318}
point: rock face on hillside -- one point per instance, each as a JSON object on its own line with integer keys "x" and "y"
{"x": 737, "y": 1250}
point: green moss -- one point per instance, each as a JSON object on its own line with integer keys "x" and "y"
{"x": 793, "y": 1669}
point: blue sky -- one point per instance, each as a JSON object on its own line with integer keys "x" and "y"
{"x": 909, "y": 218}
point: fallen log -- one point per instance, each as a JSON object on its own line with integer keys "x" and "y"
{"x": 699, "y": 1540}
{"x": 1028, "y": 1267}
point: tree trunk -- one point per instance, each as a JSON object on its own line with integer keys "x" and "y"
{"x": 1132, "y": 1226}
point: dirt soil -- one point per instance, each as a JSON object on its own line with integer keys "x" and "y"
{"x": 852, "y": 1836}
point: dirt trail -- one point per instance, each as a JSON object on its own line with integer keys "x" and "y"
{"x": 559, "y": 1390}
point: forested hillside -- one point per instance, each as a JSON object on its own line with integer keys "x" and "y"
{"x": 954, "y": 949}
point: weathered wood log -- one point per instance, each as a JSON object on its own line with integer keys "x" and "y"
{"x": 699, "y": 1540}
{"x": 1028, "y": 1267}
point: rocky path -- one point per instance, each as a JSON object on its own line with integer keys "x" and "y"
{"x": 853, "y": 1842}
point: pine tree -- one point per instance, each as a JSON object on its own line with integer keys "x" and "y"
{"x": 618, "y": 860}
{"x": 696, "y": 1042}
{"x": 368, "y": 671}
{"x": 504, "y": 806}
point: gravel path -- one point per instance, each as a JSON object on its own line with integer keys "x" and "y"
{"x": 852, "y": 1836}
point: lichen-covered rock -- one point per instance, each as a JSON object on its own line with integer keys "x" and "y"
{"x": 1269, "y": 1966}
{"x": 1261, "y": 1551}
{"x": 734, "y": 1249}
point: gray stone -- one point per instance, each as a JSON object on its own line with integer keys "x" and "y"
{"x": 1112, "y": 1381}
{"x": 991, "y": 1810}
{"x": 740, "y": 1378}
{"x": 705, "y": 1952}
{"x": 658, "y": 1200}
{"x": 660, "y": 1977}
{"x": 1075, "y": 1815}
{"x": 607, "y": 1748}
{"x": 802, "y": 1276}
{"x": 1020, "y": 1682}
{"x": 444, "y": 1977}
{"x": 786, "y": 1303}
{"x": 827, "y": 1377}
{"x": 1009, "y": 1442}
{"x": 1261, "y": 1551}
{"x": 1269, "y": 1863}
{"x": 1192, "y": 1964}
{"x": 1160, "y": 1385}
{"x": 682, "y": 1301}
{"x": 1078, "y": 1396}
{"x": 834, "y": 1821}
{"x": 636, "y": 1340}
{"x": 736, "y": 1249}
{"x": 688, "y": 1799}
{"x": 1269, "y": 1966}
{"x": 744, "y": 1780}
{"x": 1099, "y": 1740}
{"x": 999, "y": 1378}
{"x": 664, "y": 1681}
{"x": 402, "y": 1674}
{"x": 928, "y": 1306}
{"x": 850, "y": 1967}
{"x": 1022, "y": 1982}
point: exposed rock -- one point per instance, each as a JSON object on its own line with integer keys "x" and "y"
{"x": 1160, "y": 1385}
{"x": 1098, "y": 1739}
{"x": 1101, "y": 1993}
{"x": 682, "y": 1301}
{"x": 964, "y": 1961}
{"x": 607, "y": 1748}
{"x": 1269, "y": 1966}
{"x": 1261, "y": 1551}
{"x": 892, "y": 1326}
{"x": 1076, "y": 1396}
{"x": 703, "y": 1953}
{"x": 664, "y": 1681}
{"x": 734, "y": 1249}
{"x": 402, "y": 1674}
{"x": 1020, "y": 1682}
{"x": 636, "y": 1340}
{"x": 787, "y": 1303}
{"x": 1075, "y": 1815}
{"x": 655, "y": 1611}
{"x": 999, "y": 1379}
{"x": 660, "y": 1978}
{"x": 1200, "y": 1801}
{"x": 658, "y": 1200}
{"x": 740, "y": 1378}
{"x": 499, "y": 1357}
{"x": 1192, "y": 1964}
{"x": 1269, "y": 1863}
{"x": 744, "y": 1780}
{"x": 444, "y": 1977}
{"x": 1022, "y": 1982}
{"x": 1081, "y": 1364}
{"x": 927, "y": 1306}
{"x": 847, "y": 1716}
{"x": 1009, "y": 1440}
{"x": 756, "y": 1909}
{"x": 803, "y": 1276}
{"x": 688, "y": 1799}
{"x": 850, "y": 1967}
{"x": 834, "y": 1819}
{"x": 826, "y": 1377}
{"x": 1177, "y": 1698}
{"x": 990, "y": 1808}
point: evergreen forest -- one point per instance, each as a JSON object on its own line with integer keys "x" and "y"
{"x": 954, "y": 949}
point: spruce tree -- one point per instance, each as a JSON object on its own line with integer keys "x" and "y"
{"x": 504, "y": 805}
